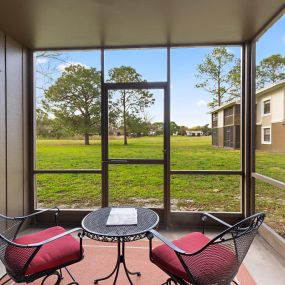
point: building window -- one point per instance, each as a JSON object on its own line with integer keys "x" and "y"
{"x": 266, "y": 107}
{"x": 228, "y": 116}
{"x": 215, "y": 137}
{"x": 214, "y": 120}
{"x": 228, "y": 136}
{"x": 229, "y": 112}
{"x": 266, "y": 135}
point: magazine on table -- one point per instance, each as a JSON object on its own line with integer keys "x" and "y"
{"x": 122, "y": 216}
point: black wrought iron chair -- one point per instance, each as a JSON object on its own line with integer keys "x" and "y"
{"x": 196, "y": 259}
{"x": 42, "y": 254}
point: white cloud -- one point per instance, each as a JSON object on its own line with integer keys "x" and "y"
{"x": 62, "y": 66}
{"x": 41, "y": 60}
{"x": 202, "y": 103}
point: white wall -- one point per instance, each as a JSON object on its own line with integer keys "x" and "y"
{"x": 277, "y": 105}
{"x": 221, "y": 119}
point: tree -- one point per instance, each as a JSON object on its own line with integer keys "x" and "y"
{"x": 270, "y": 70}
{"x": 205, "y": 129}
{"x": 158, "y": 127}
{"x": 137, "y": 126}
{"x": 74, "y": 100}
{"x": 130, "y": 102}
{"x": 219, "y": 74}
{"x": 234, "y": 78}
{"x": 47, "y": 67}
{"x": 174, "y": 128}
{"x": 182, "y": 130}
{"x": 48, "y": 127}
{"x": 43, "y": 123}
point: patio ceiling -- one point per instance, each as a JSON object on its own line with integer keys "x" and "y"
{"x": 96, "y": 23}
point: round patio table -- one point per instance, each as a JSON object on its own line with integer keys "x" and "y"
{"x": 94, "y": 225}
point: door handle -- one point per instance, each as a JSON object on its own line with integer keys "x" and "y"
{"x": 118, "y": 161}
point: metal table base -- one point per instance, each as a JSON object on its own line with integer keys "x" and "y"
{"x": 120, "y": 259}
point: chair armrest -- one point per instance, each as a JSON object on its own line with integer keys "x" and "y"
{"x": 9, "y": 242}
{"x": 56, "y": 237}
{"x": 55, "y": 209}
{"x": 6, "y": 217}
{"x": 207, "y": 215}
{"x": 153, "y": 233}
{"x": 22, "y": 219}
{"x": 39, "y": 244}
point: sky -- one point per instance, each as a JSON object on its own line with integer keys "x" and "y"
{"x": 188, "y": 103}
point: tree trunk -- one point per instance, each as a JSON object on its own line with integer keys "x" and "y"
{"x": 124, "y": 119}
{"x": 86, "y": 139}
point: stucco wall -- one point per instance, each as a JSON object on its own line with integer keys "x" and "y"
{"x": 220, "y": 137}
{"x": 275, "y": 120}
{"x": 277, "y": 138}
{"x": 277, "y": 107}
{"x": 221, "y": 119}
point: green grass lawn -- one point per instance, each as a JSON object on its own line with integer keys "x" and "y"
{"x": 143, "y": 184}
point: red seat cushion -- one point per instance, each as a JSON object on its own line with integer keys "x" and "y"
{"x": 51, "y": 255}
{"x": 202, "y": 266}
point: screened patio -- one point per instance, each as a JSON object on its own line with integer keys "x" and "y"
{"x": 31, "y": 30}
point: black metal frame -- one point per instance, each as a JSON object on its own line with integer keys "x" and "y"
{"x": 120, "y": 259}
{"x": 20, "y": 276}
{"x": 120, "y": 235}
{"x": 232, "y": 232}
{"x": 166, "y": 160}
{"x": 105, "y": 143}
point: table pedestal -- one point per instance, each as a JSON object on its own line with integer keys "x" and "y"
{"x": 120, "y": 259}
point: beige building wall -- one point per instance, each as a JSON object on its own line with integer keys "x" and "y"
{"x": 278, "y": 137}
{"x": 220, "y": 118}
{"x": 220, "y": 128}
{"x": 14, "y": 137}
{"x": 277, "y": 107}
{"x": 221, "y": 137}
{"x": 277, "y": 140}
{"x": 275, "y": 120}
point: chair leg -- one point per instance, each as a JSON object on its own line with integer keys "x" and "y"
{"x": 60, "y": 277}
{"x": 169, "y": 281}
{"x": 74, "y": 282}
{"x": 57, "y": 274}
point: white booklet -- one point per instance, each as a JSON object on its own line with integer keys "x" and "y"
{"x": 122, "y": 216}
